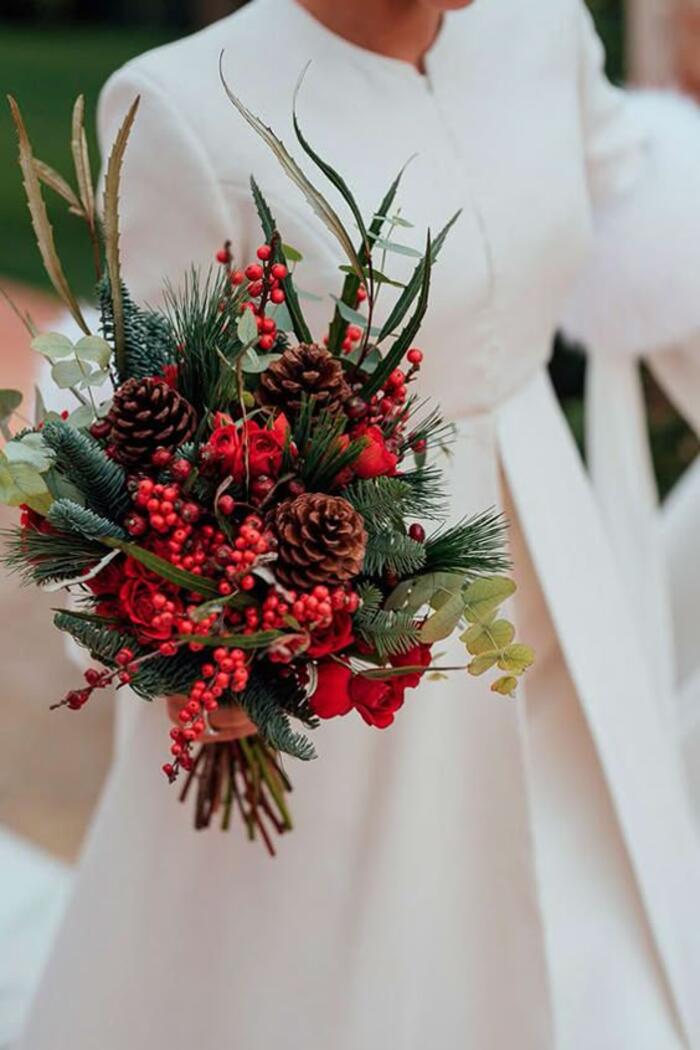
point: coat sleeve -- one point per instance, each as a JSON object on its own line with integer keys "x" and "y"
{"x": 639, "y": 289}
{"x": 174, "y": 212}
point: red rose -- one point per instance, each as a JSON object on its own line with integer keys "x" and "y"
{"x": 376, "y": 701}
{"x": 225, "y": 445}
{"x": 108, "y": 580}
{"x": 331, "y": 697}
{"x": 375, "y": 458}
{"x": 263, "y": 447}
{"x": 136, "y": 597}
{"x": 418, "y": 656}
{"x": 333, "y": 638}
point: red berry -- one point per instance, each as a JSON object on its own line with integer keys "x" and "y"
{"x": 255, "y": 289}
{"x": 226, "y": 504}
{"x": 277, "y": 296}
{"x": 254, "y": 272}
{"x": 223, "y": 256}
{"x": 264, "y": 252}
{"x": 124, "y": 657}
{"x": 417, "y": 532}
{"x": 414, "y": 356}
{"x": 136, "y": 525}
{"x": 247, "y": 583}
{"x": 266, "y": 342}
{"x": 161, "y": 457}
{"x": 278, "y": 271}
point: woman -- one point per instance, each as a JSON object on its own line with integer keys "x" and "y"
{"x": 488, "y": 874}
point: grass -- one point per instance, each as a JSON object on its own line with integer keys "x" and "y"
{"x": 45, "y": 69}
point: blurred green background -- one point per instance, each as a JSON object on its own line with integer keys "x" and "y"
{"x": 50, "y": 50}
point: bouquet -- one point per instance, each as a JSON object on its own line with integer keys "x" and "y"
{"x": 251, "y": 517}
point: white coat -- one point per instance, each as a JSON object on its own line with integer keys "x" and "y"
{"x": 487, "y": 874}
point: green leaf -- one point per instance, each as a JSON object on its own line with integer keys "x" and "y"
{"x": 516, "y": 658}
{"x": 400, "y": 249}
{"x": 484, "y": 596}
{"x": 442, "y": 623}
{"x": 481, "y": 638}
{"x": 189, "y": 581}
{"x": 52, "y": 345}
{"x": 481, "y": 664}
{"x": 407, "y": 335}
{"x": 247, "y": 328}
{"x": 82, "y": 416}
{"x": 96, "y": 378}
{"x": 403, "y": 303}
{"x": 29, "y": 449}
{"x": 254, "y": 362}
{"x": 93, "y": 348}
{"x": 66, "y": 374}
{"x": 10, "y": 400}
{"x": 506, "y": 685}
{"x": 348, "y": 314}
{"x": 291, "y": 254}
{"x": 318, "y": 203}
{"x": 257, "y": 640}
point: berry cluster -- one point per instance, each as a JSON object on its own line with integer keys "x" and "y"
{"x": 228, "y": 672}
{"x": 264, "y": 285}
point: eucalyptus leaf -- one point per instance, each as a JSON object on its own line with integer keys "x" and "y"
{"x": 10, "y": 400}
{"x": 484, "y": 596}
{"x": 484, "y": 637}
{"x": 247, "y": 328}
{"x": 52, "y": 345}
{"x": 516, "y": 658}
{"x": 348, "y": 314}
{"x": 310, "y": 297}
{"x": 442, "y": 623}
{"x": 66, "y": 374}
{"x": 83, "y": 416}
{"x": 506, "y": 685}
{"x": 254, "y": 362}
{"x": 400, "y": 249}
{"x": 40, "y": 411}
{"x": 97, "y": 377}
{"x": 282, "y": 318}
{"x": 29, "y": 449}
{"x": 291, "y": 254}
{"x": 93, "y": 348}
{"x": 481, "y": 664}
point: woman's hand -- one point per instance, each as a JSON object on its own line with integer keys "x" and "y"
{"x": 230, "y": 723}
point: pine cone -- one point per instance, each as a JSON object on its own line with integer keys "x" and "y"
{"x": 320, "y": 539}
{"x": 148, "y": 414}
{"x": 308, "y": 370}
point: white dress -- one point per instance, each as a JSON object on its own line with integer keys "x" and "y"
{"x": 487, "y": 874}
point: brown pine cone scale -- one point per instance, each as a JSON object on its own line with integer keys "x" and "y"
{"x": 320, "y": 540}
{"x": 147, "y": 414}
{"x": 302, "y": 371}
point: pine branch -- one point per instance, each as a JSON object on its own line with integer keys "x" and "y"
{"x": 388, "y": 632}
{"x": 473, "y": 547}
{"x": 261, "y": 703}
{"x": 149, "y": 343}
{"x": 71, "y": 517}
{"x": 40, "y": 557}
{"x": 318, "y": 439}
{"x": 393, "y": 552}
{"x": 157, "y": 677}
{"x": 387, "y": 501}
{"x": 101, "y": 480}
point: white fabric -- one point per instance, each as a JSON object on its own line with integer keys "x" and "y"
{"x": 34, "y": 894}
{"x": 486, "y": 874}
